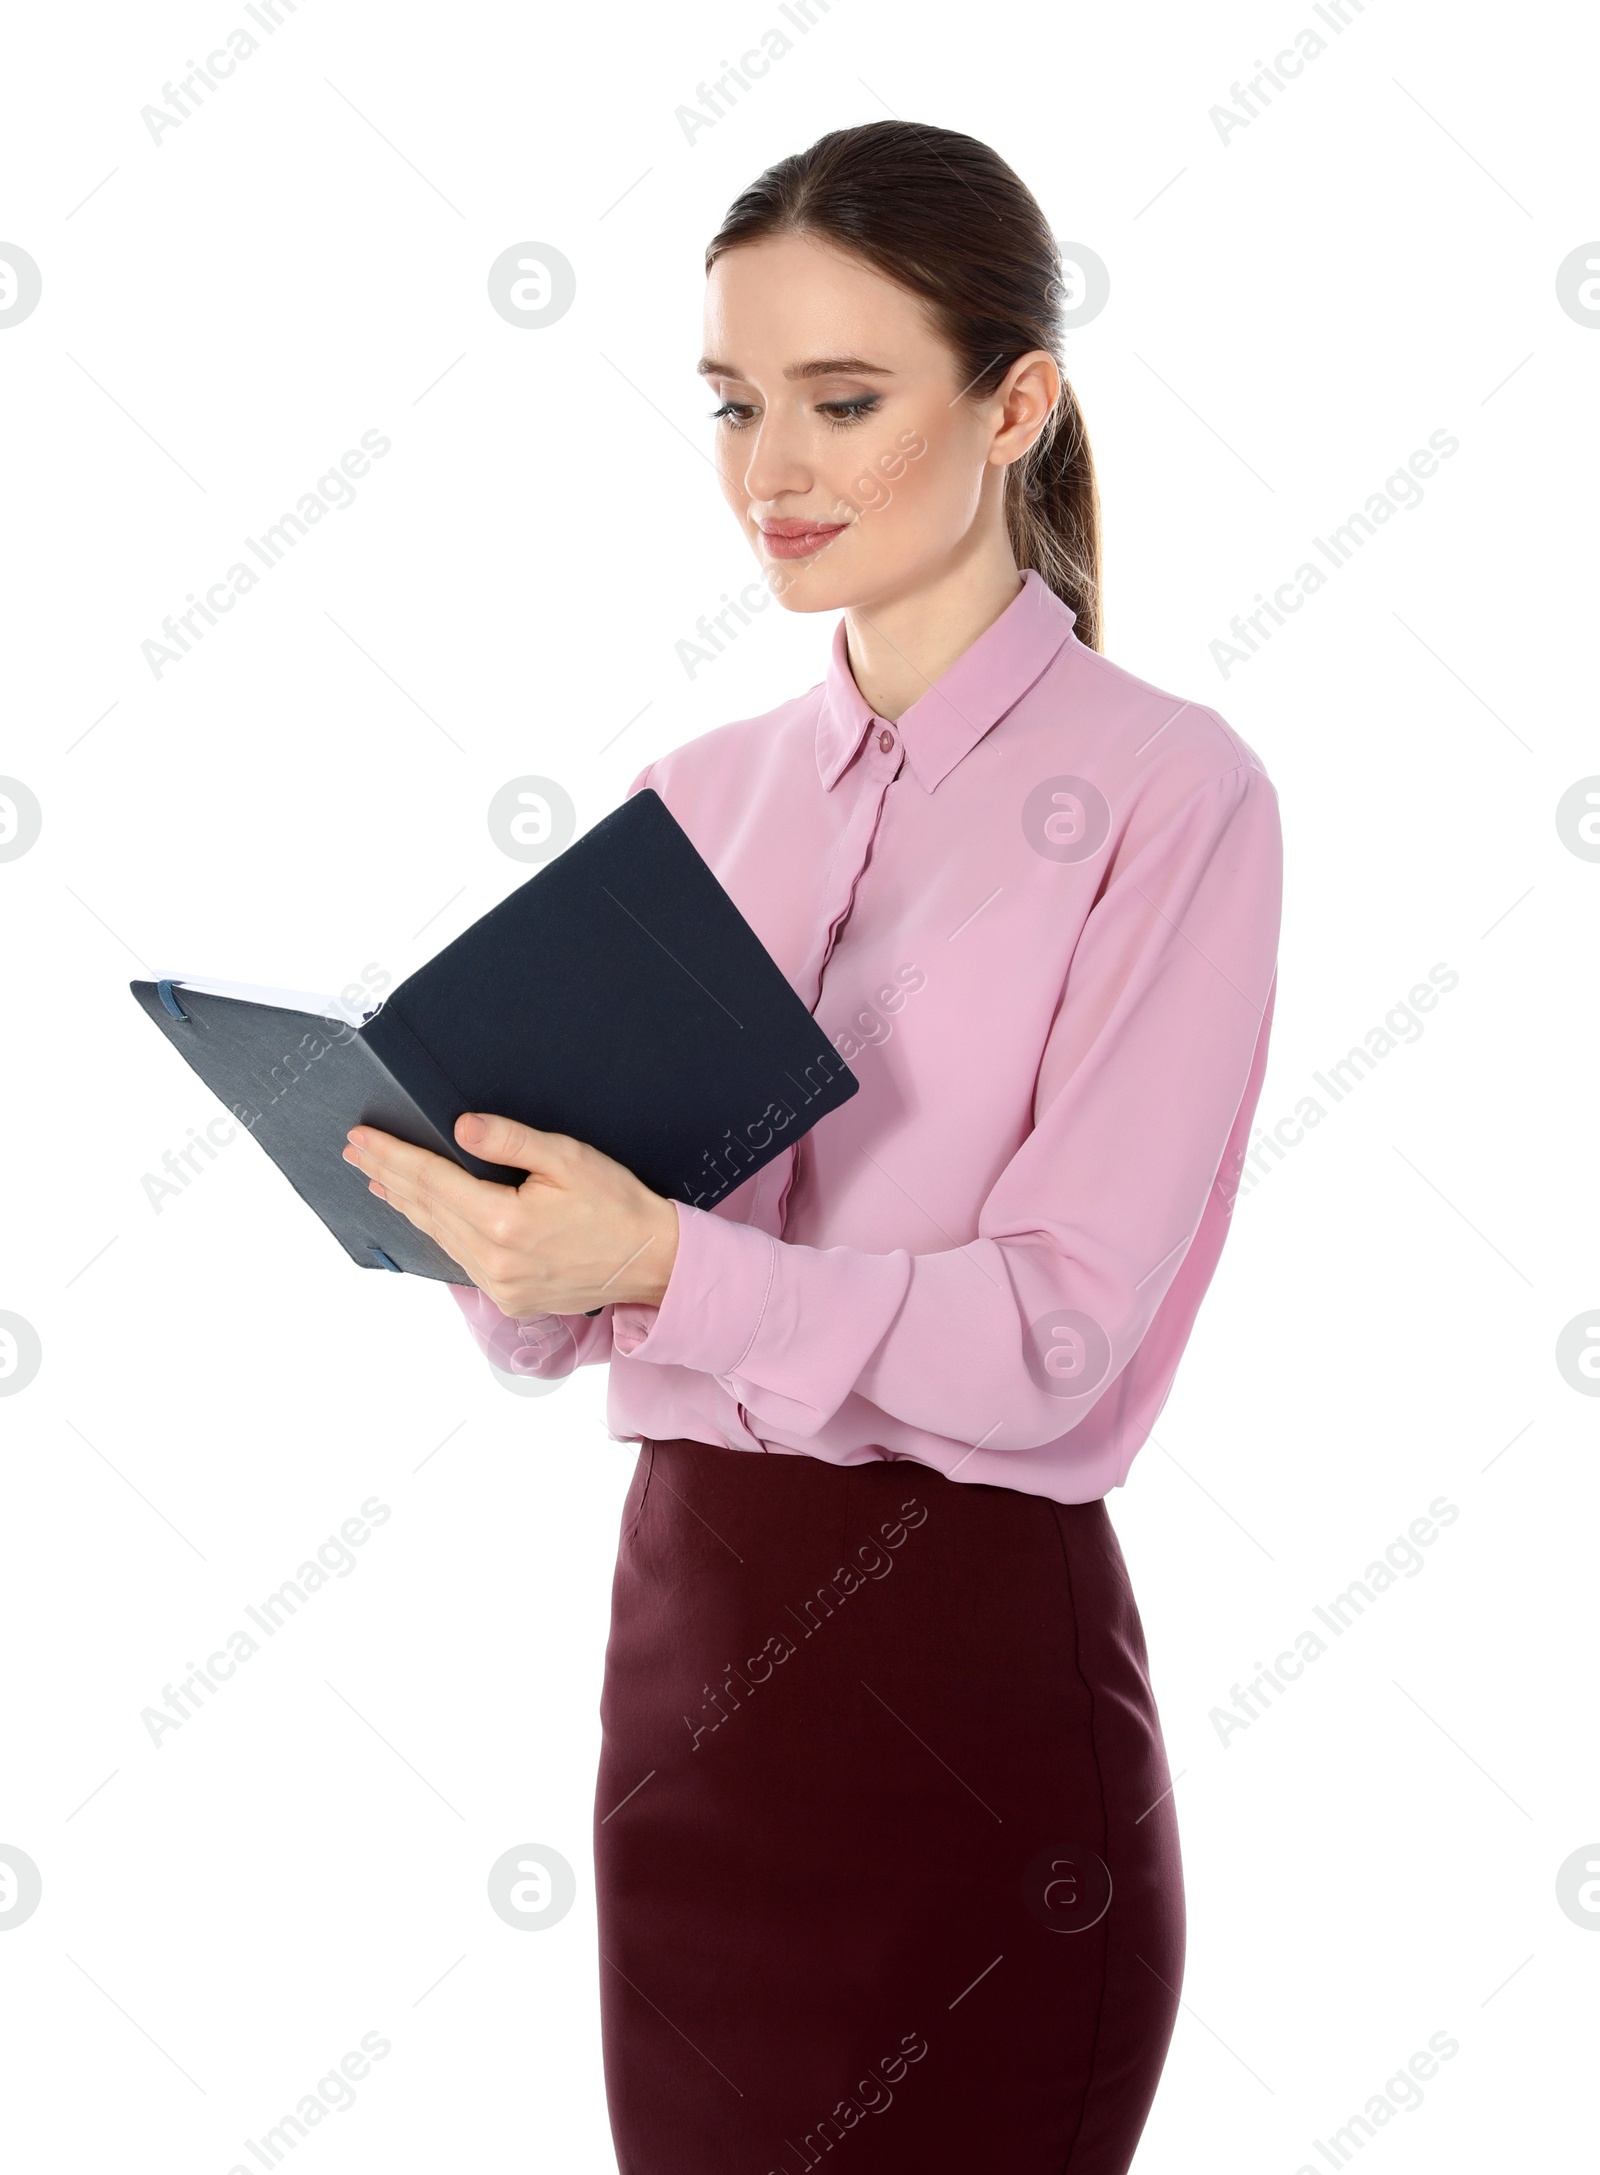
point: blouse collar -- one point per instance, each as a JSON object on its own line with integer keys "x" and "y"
{"x": 949, "y": 718}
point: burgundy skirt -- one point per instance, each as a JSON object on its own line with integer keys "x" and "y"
{"x": 886, "y": 1854}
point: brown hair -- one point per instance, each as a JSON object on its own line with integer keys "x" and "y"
{"x": 946, "y": 218}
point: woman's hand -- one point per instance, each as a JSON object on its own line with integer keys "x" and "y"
{"x": 580, "y": 1231}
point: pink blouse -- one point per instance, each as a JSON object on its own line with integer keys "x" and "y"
{"x": 1038, "y": 916}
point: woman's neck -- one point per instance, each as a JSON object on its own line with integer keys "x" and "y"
{"x": 899, "y": 646}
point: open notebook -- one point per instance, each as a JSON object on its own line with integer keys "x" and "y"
{"x": 618, "y": 996}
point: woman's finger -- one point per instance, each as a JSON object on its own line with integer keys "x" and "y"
{"x": 422, "y": 1187}
{"x": 397, "y": 1165}
{"x": 465, "y": 1234}
{"x": 458, "y": 1239}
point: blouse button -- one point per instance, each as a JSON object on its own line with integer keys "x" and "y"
{"x": 886, "y": 740}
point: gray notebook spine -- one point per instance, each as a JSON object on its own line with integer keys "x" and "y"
{"x": 415, "y": 1068}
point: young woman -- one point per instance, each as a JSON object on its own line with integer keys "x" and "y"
{"x": 885, "y": 1847}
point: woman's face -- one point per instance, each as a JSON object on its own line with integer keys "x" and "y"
{"x": 844, "y": 447}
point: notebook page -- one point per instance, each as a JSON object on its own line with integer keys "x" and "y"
{"x": 321, "y": 1006}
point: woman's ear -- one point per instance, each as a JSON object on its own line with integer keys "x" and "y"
{"x": 1027, "y": 395}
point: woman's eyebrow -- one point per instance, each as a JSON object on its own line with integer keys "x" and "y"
{"x": 826, "y": 366}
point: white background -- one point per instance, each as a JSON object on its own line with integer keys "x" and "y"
{"x": 1291, "y": 314}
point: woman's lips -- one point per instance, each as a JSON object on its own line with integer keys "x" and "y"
{"x": 798, "y": 539}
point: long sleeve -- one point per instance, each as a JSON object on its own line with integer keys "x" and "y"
{"x": 1147, "y": 1081}
{"x": 546, "y": 1345}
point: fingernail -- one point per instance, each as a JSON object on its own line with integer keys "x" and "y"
{"x": 469, "y": 1126}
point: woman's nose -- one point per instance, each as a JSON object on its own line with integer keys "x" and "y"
{"x": 776, "y": 466}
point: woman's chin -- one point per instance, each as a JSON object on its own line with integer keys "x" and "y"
{"x": 824, "y": 583}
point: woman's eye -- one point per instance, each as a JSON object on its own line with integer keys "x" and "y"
{"x": 840, "y": 414}
{"x": 845, "y": 412}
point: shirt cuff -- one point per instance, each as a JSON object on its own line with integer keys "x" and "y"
{"x": 714, "y": 1301}
{"x": 529, "y": 1344}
